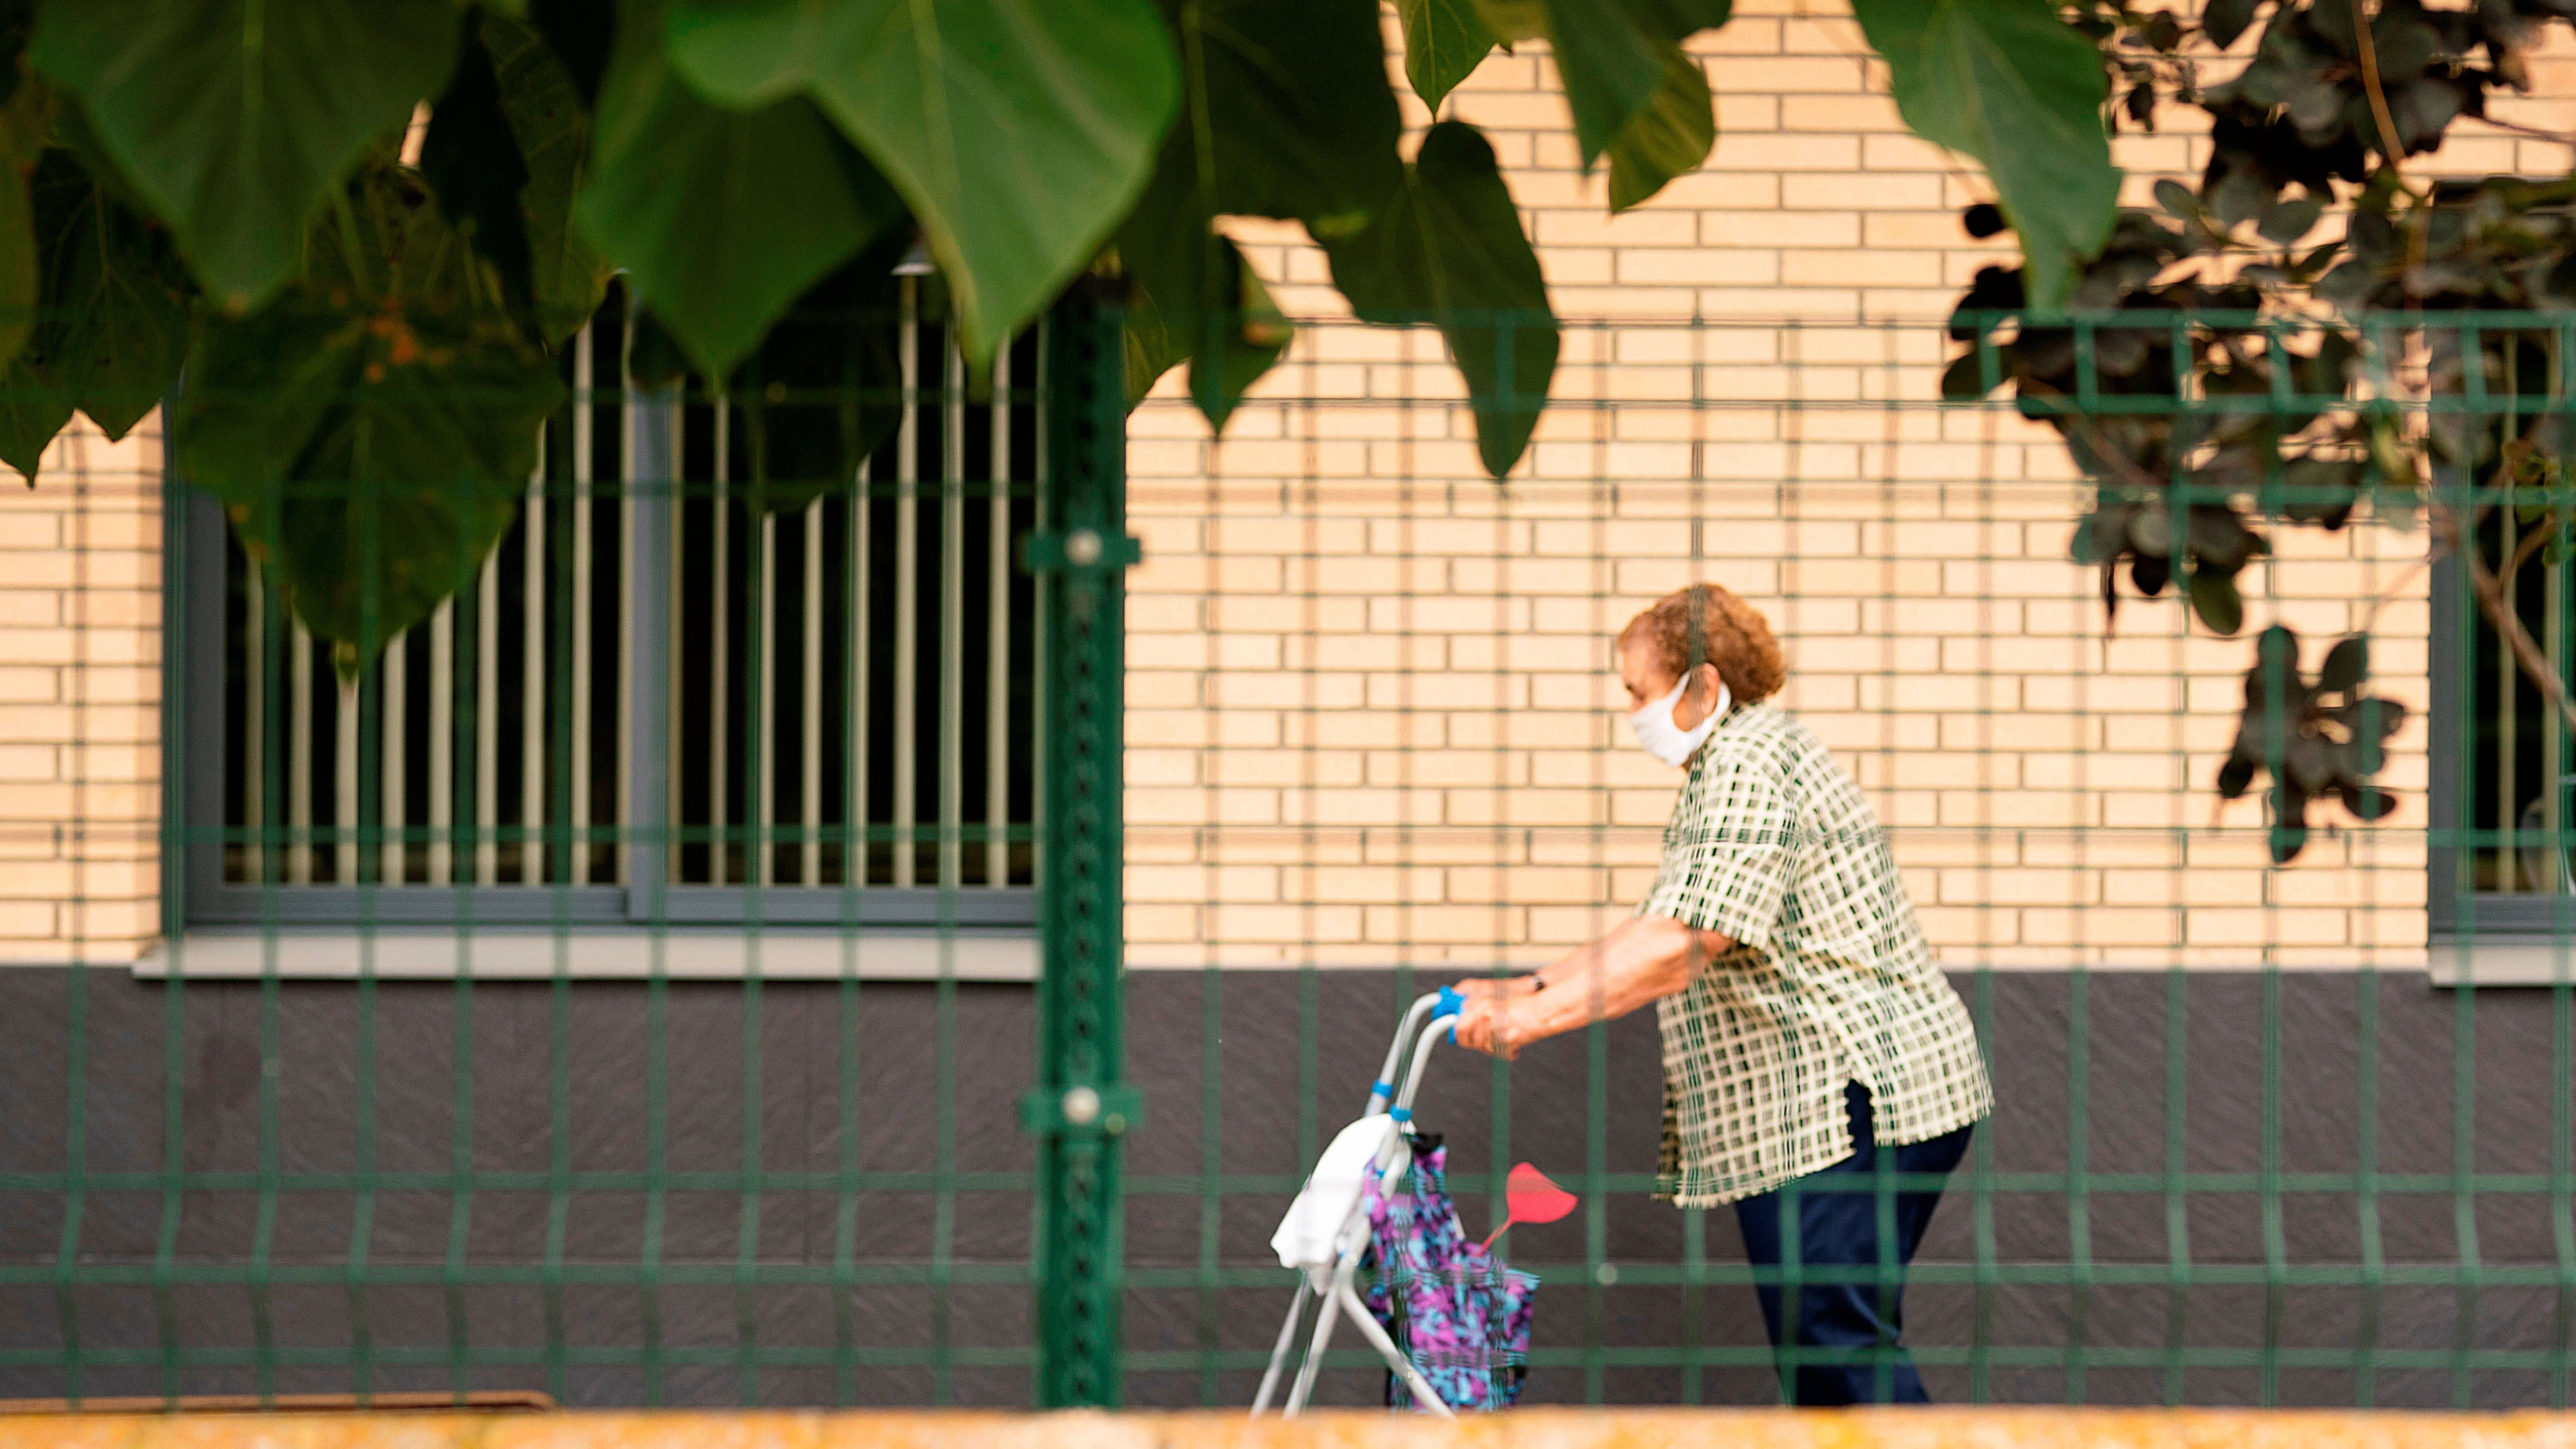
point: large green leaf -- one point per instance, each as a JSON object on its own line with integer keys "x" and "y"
{"x": 581, "y": 34}
{"x": 1229, "y": 343}
{"x": 1672, "y": 135}
{"x": 1153, "y": 346}
{"x": 372, "y": 469}
{"x": 1286, "y": 113}
{"x": 542, "y": 103}
{"x": 1286, "y": 110}
{"x": 2013, "y": 85}
{"x": 371, "y": 432}
{"x": 1018, "y": 131}
{"x": 473, "y": 164}
{"x": 1164, "y": 250}
{"x": 24, "y": 122}
{"x": 32, "y": 411}
{"x": 1192, "y": 297}
{"x": 825, "y": 388}
{"x": 115, "y": 317}
{"x": 235, "y": 118}
{"x": 723, "y": 217}
{"x": 73, "y": 132}
{"x": 18, "y": 275}
{"x": 508, "y": 144}
{"x": 1614, "y": 57}
{"x": 1256, "y": 335}
{"x": 1447, "y": 248}
{"x": 1610, "y": 65}
{"x": 1444, "y": 42}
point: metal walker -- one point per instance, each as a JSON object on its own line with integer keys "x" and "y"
{"x": 1327, "y": 1227}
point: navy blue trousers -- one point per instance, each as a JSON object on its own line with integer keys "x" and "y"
{"x": 1848, "y": 1333}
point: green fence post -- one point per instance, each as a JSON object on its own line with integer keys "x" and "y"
{"x": 1081, "y": 1106}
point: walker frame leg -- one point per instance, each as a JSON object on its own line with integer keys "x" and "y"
{"x": 1279, "y": 1351}
{"x": 1324, "y": 1316}
{"x": 1375, "y": 1333}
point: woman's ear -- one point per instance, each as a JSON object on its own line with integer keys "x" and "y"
{"x": 1705, "y": 684}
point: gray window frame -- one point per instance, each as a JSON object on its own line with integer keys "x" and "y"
{"x": 2455, "y": 917}
{"x": 197, "y": 897}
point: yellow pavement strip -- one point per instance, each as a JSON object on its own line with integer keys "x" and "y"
{"x": 1988, "y": 1428}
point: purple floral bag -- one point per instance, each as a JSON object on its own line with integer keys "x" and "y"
{"x": 1456, "y": 1311}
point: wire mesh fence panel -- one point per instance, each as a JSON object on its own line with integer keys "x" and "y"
{"x": 2243, "y": 1149}
{"x": 617, "y": 985}
{"x": 813, "y": 918}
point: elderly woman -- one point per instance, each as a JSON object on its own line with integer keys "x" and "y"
{"x": 1818, "y": 1071}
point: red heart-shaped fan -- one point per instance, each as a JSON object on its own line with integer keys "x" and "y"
{"x": 1528, "y": 1197}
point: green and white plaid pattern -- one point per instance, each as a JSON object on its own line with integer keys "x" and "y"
{"x": 1772, "y": 845}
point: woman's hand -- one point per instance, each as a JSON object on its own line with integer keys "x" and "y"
{"x": 1486, "y": 1025}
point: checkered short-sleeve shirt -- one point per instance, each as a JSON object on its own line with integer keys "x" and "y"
{"x": 1830, "y": 981}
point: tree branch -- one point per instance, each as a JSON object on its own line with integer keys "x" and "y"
{"x": 2499, "y": 610}
{"x": 2364, "y": 47}
{"x": 2531, "y": 543}
{"x": 2101, "y": 444}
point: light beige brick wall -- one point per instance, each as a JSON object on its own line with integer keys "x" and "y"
{"x": 1369, "y": 713}
{"x": 1370, "y": 710}
{"x": 80, "y": 700}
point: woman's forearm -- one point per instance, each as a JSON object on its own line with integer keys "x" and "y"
{"x": 1640, "y": 961}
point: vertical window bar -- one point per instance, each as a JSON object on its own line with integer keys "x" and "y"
{"x": 720, "y": 703}
{"x": 907, "y": 582}
{"x": 486, "y": 816}
{"x": 442, "y": 743}
{"x": 344, "y": 783}
{"x": 1038, "y": 626}
{"x": 674, "y": 817}
{"x": 762, "y": 735}
{"x": 855, "y": 815}
{"x": 997, "y": 671}
{"x": 487, "y": 722}
{"x": 532, "y": 678}
{"x": 577, "y": 765}
{"x": 2550, "y": 850}
{"x": 393, "y": 670}
{"x": 254, "y": 721}
{"x": 299, "y": 757}
{"x": 809, "y": 735}
{"x": 2508, "y": 848}
{"x": 648, "y": 437}
{"x": 952, "y": 617}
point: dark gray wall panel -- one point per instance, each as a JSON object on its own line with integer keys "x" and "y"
{"x": 2272, "y": 1074}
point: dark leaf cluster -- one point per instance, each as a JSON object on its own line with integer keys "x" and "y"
{"x": 2221, "y": 368}
{"x": 2167, "y": 391}
{"x": 2318, "y": 737}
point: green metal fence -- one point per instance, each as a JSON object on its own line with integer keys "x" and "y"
{"x": 907, "y": 948}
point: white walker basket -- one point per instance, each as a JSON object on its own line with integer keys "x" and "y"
{"x": 1327, "y": 1227}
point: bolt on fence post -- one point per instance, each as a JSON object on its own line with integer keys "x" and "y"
{"x": 1081, "y": 1107}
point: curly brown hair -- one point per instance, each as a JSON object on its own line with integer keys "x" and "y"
{"x": 1710, "y": 622}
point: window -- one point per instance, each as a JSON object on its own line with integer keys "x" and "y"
{"x": 655, "y": 706}
{"x": 2503, "y": 765}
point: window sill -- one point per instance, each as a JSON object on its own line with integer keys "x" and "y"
{"x": 729, "y": 954}
{"x": 2501, "y": 960}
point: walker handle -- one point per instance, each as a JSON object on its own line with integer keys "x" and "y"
{"x": 1382, "y": 1092}
{"x": 1452, "y": 1005}
{"x": 1445, "y": 1014}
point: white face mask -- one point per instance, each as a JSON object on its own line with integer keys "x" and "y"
{"x": 1667, "y": 741}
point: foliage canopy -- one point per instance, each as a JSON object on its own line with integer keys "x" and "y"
{"x": 219, "y": 187}
{"x": 2305, "y": 343}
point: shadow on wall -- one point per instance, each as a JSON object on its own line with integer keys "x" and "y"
{"x": 623, "y": 1201}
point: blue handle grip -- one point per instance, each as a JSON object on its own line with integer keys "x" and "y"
{"x": 1451, "y": 1004}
